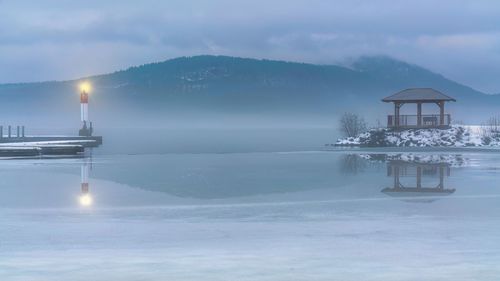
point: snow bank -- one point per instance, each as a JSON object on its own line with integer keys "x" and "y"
{"x": 45, "y": 143}
{"x": 456, "y": 136}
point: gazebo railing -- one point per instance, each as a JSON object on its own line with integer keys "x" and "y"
{"x": 411, "y": 121}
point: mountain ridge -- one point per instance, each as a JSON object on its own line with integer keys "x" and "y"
{"x": 233, "y": 85}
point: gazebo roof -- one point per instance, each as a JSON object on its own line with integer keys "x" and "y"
{"x": 418, "y": 95}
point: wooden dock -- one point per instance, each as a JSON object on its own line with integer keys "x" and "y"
{"x": 93, "y": 141}
{"x": 30, "y": 146}
{"x": 24, "y": 151}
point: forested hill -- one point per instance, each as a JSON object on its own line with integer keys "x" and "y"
{"x": 230, "y": 85}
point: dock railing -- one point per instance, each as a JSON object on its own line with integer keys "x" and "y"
{"x": 18, "y": 134}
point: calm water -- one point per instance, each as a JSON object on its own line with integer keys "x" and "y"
{"x": 313, "y": 215}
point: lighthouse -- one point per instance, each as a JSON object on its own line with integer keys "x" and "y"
{"x": 86, "y": 129}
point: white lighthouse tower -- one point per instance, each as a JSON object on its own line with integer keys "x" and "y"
{"x": 84, "y": 104}
{"x": 86, "y": 129}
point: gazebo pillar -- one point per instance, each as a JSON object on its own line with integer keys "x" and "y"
{"x": 396, "y": 114}
{"x": 441, "y": 113}
{"x": 419, "y": 114}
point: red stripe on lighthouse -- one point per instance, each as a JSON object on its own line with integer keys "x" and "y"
{"x": 84, "y": 97}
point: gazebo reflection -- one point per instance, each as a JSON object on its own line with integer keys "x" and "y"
{"x": 401, "y": 170}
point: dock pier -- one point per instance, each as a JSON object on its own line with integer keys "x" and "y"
{"x": 20, "y": 145}
{"x": 20, "y": 137}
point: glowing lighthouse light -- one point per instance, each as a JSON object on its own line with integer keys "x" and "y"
{"x": 85, "y": 87}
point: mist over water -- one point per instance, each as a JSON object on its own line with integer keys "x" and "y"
{"x": 220, "y": 140}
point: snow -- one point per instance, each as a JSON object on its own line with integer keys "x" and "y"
{"x": 20, "y": 148}
{"x": 456, "y": 136}
{"x": 6, "y": 148}
{"x": 454, "y": 160}
{"x": 58, "y": 143}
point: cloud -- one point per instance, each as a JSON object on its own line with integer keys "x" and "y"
{"x": 51, "y": 36}
{"x": 478, "y": 41}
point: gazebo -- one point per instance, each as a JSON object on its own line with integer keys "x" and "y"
{"x": 418, "y": 96}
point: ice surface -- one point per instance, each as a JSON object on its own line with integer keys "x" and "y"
{"x": 272, "y": 216}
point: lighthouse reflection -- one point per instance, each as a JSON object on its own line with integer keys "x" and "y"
{"x": 85, "y": 199}
{"x": 408, "y": 179}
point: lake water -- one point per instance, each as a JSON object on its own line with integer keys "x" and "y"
{"x": 252, "y": 214}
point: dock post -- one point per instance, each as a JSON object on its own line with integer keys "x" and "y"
{"x": 18, "y": 132}
{"x": 23, "y": 132}
{"x": 10, "y": 131}
{"x": 1, "y": 132}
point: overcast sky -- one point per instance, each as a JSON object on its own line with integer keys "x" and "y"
{"x": 57, "y": 40}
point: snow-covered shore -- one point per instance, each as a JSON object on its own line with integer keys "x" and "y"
{"x": 454, "y": 160}
{"x": 456, "y": 136}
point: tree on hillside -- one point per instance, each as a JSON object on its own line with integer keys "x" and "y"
{"x": 352, "y": 124}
